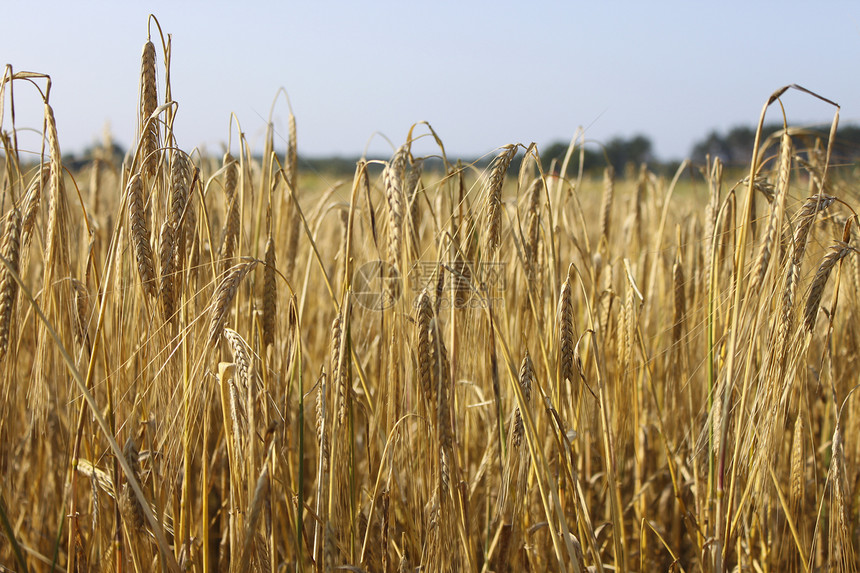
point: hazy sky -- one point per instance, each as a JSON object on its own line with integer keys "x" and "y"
{"x": 482, "y": 73}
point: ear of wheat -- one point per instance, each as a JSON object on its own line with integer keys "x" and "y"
{"x": 494, "y": 184}
{"x": 10, "y": 250}
{"x": 148, "y": 103}
{"x": 140, "y": 235}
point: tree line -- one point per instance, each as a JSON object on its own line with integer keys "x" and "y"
{"x": 733, "y": 147}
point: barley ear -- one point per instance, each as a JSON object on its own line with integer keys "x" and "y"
{"x": 392, "y": 177}
{"x": 776, "y": 213}
{"x": 840, "y": 512}
{"x": 527, "y": 375}
{"x": 148, "y": 102}
{"x": 140, "y": 236}
{"x": 232, "y": 225}
{"x": 82, "y": 301}
{"x": 10, "y": 249}
{"x": 130, "y": 507}
{"x": 805, "y": 217}
{"x": 32, "y": 203}
{"x": 495, "y": 181}
{"x": 816, "y": 291}
{"x": 797, "y": 479}
{"x": 291, "y": 163}
{"x": 224, "y": 294}
{"x": 566, "y": 339}
{"x": 424, "y": 348}
{"x": 532, "y": 245}
{"x": 241, "y": 357}
{"x": 338, "y": 374}
{"x": 180, "y": 186}
{"x": 270, "y": 294}
{"x": 606, "y": 203}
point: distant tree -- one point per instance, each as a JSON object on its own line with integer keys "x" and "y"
{"x": 714, "y": 145}
{"x": 332, "y": 165}
{"x": 736, "y": 146}
{"x": 553, "y": 152}
{"x": 114, "y": 155}
{"x": 847, "y": 143}
{"x": 740, "y": 142}
{"x": 635, "y": 150}
{"x": 618, "y": 151}
{"x": 557, "y": 150}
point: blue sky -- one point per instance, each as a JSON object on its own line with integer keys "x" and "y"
{"x": 482, "y": 73}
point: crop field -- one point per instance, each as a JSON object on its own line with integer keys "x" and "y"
{"x": 226, "y": 363}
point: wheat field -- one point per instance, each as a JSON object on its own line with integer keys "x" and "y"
{"x": 224, "y": 363}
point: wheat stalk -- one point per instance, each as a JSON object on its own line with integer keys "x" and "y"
{"x": 776, "y": 213}
{"x": 494, "y": 195}
{"x": 233, "y": 222}
{"x": 413, "y": 184}
{"x": 270, "y": 294}
{"x": 606, "y": 203}
{"x": 56, "y": 250}
{"x": 166, "y": 255}
{"x": 82, "y": 302}
{"x": 338, "y": 373}
{"x": 837, "y": 252}
{"x": 241, "y": 357}
{"x": 33, "y": 202}
{"x": 797, "y": 479}
{"x": 148, "y": 103}
{"x": 11, "y": 251}
{"x": 805, "y": 217}
{"x": 132, "y": 511}
{"x": 680, "y": 302}
{"x": 840, "y": 519}
{"x": 180, "y": 186}
{"x": 224, "y": 294}
{"x": 140, "y": 236}
{"x": 566, "y": 340}
{"x": 532, "y": 243}
{"x": 424, "y": 348}
{"x": 392, "y": 177}
{"x": 291, "y": 163}
{"x": 322, "y": 428}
